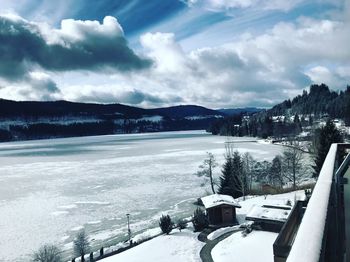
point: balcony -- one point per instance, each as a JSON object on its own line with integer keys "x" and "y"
{"x": 320, "y": 230}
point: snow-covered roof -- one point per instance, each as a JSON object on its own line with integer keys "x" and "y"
{"x": 217, "y": 200}
{"x": 276, "y": 213}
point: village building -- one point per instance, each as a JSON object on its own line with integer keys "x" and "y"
{"x": 221, "y": 209}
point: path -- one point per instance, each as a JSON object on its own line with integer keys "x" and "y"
{"x": 205, "y": 252}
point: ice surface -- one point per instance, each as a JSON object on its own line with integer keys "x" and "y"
{"x": 49, "y": 187}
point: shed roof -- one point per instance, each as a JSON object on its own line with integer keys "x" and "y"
{"x": 217, "y": 200}
{"x": 269, "y": 212}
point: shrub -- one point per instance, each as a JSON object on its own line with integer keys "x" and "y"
{"x": 48, "y": 253}
{"x": 181, "y": 224}
{"x": 165, "y": 224}
{"x": 199, "y": 220}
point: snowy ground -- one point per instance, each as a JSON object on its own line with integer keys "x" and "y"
{"x": 50, "y": 189}
{"x": 178, "y": 246}
{"x": 256, "y": 246}
{"x": 184, "y": 246}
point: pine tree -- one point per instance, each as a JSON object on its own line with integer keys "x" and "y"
{"x": 326, "y": 136}
{"x": 226, "y": 180}
{"x": 165, "y": 224}
{"x": 232, "y": 181}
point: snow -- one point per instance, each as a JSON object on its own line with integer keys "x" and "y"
{"x": 256, "y": 246}
{"x": 311, "y": 230}
{"x": 217, "y": 199}
{"x": 270, "y": 213}
{"x": 202, "y": 117}
{"x": 221, "y": 231}
{"x": 175, "y": 247}
{"x": 53, "y": 186}
{"x": 276, "y": 200}
{"x": 151, "y": 118}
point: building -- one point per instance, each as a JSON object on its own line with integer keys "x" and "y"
{"x": 269, "y": 217}
{"x": 221, "y": 209}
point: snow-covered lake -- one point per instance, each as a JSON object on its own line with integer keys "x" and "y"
{"x": 50, "y": 189}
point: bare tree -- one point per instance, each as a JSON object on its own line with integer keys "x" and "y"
{"x": 81, "y": 244}
{"x": 248, "y": 163}
{"x": 207, "y": 169}
{"x": 48, "y": 253}
{"x": 292, "y": 163}
{"x": 276, "y": 172}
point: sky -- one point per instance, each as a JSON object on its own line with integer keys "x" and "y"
{"x": 156, "y": 53}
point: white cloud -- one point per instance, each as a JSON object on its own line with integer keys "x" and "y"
{"x": 227, "y": 5}
{"x": 162, "y": 48}
{"x": 80, "y": 30}
{"x": 338, "y": 77}
{"x": 255, "y": 70}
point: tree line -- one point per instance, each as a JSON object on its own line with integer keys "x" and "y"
{"x": 240, "y": 171}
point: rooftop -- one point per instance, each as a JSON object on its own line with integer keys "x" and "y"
{"x": 275, "y": 213}
{"x": 217, "y": 200}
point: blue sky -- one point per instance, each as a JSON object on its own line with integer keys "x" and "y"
{"x": 216, "y": 53}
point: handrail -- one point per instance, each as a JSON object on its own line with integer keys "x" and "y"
{"x": 307, "y": 246}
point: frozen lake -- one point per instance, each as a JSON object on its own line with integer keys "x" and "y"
{"x": 50, "y": 189}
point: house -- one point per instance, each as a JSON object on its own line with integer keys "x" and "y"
{"x": 221, "y": 209}
{"x": 269, "y": 217}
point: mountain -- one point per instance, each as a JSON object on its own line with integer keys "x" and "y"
{"x": 36, "y": 120}
{"x": 238, "y": 111}
{"x": 10, "y": 108}
{"x": 183, "y": 111}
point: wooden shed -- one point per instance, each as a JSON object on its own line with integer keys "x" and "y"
{"x": 221, "y": 209}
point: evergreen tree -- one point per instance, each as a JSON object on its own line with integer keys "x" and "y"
{"x": 326, "y": 136}
{"x": 226, "y": 180}
{"x": 165, "y": 224}
{"x": 232, "y": 181}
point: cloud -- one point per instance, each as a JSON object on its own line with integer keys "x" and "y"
{"x": 77, "y": 45}
{"x": 227, "y": 5}
{"x": 114, "y": 93}
{"x": 338, "y": 77}
{"x": 261, "y": 69}
{"x": 36, "y": 86}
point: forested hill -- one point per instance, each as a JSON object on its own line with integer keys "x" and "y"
{"x": 319, "y": 101}
{"x": 35, "y": 120}
{"x": 291, "y": 116}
